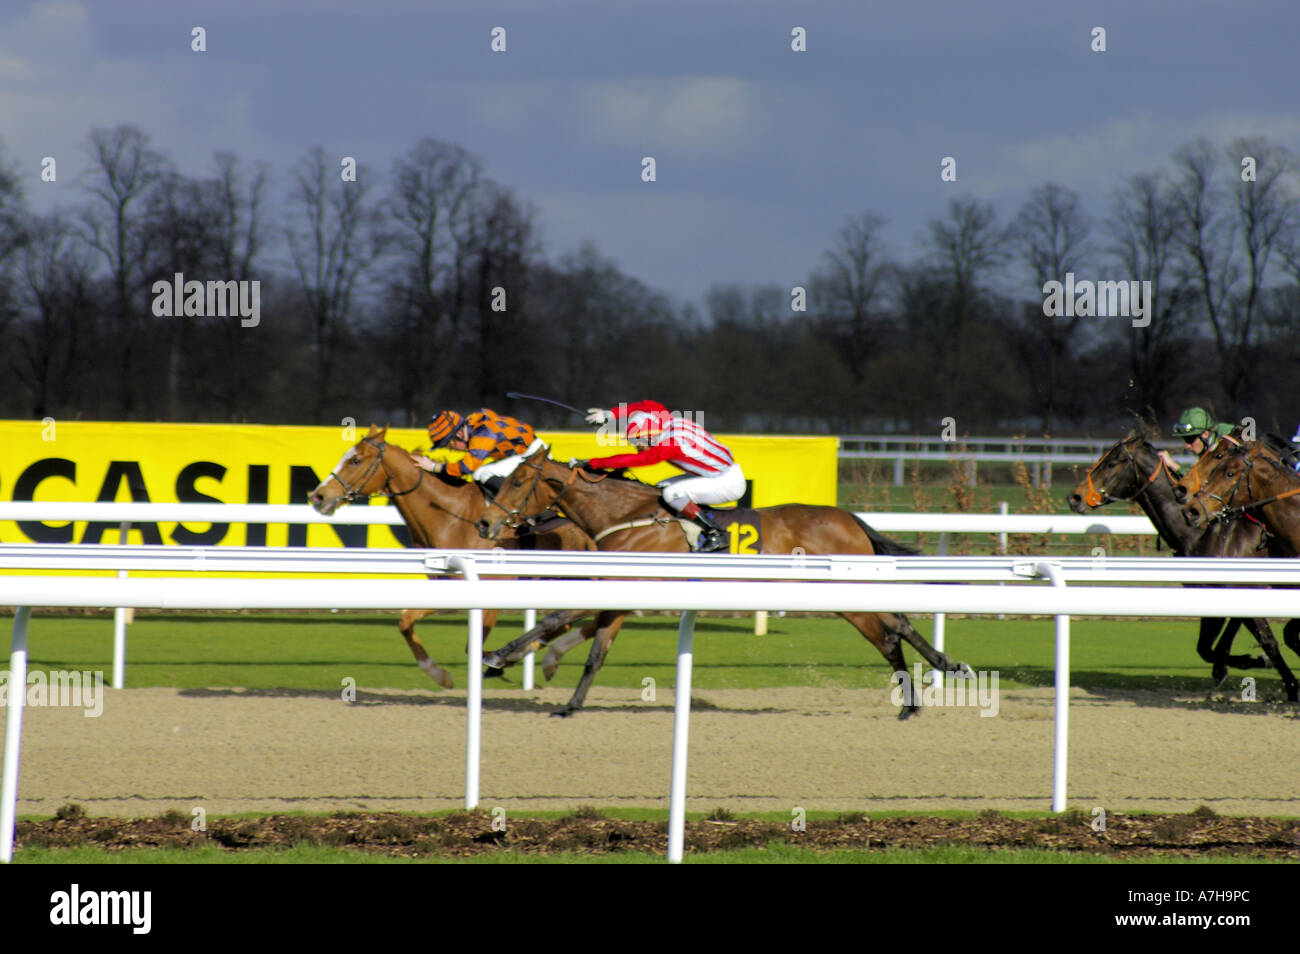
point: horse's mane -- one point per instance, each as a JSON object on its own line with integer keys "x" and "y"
{"x": 622, "y": 475}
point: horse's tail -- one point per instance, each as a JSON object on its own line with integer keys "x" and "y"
{"x": 882, "y": 544}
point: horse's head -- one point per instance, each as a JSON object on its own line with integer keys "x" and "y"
{"x": 360, "y": 473}
{"x": 1117, "y": 475}
{"x": 1215, "y": 482}
{"x": 533, "y": 487}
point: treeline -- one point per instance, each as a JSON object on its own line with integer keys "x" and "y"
{"x": 393, "y": 295}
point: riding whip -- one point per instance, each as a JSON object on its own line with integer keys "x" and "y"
{"x": 533, "y": 397}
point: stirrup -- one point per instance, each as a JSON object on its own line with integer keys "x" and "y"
{"x": 711, "y": 540}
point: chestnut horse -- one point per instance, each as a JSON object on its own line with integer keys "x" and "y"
{"x": 626, "y": 515}
{"x": 1132, "y": 471}
{"x": 440, "y": 512}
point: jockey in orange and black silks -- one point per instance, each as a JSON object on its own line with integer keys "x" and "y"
{"x": 494, "y": 443}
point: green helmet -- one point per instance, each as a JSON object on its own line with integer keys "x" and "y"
{"x": 1192, "y": 421}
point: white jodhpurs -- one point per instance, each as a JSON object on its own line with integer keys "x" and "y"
{"x": 722, "y": 488}
{"x": 506, "y": 465}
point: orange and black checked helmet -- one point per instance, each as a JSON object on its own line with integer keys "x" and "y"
{"x": 443, "y": 426}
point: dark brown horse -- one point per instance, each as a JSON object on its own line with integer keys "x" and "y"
{"x": 1250, "y": 479}
{"x": 626, "y": 515}
{"x": 1133, "y": 471}
{"x": 440, "y": 512}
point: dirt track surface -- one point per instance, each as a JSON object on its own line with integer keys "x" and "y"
{"x": 154, "y": 750}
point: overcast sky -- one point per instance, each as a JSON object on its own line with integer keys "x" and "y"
{"x": 761, "y": 151}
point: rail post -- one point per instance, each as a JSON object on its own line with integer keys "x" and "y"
{"x": 681, "y": 738}
{"x": 474, "y": 691}
{"x": 530, "y": 620}
{"x": 1062, "y": 740}
{"x": 13, "y": 732}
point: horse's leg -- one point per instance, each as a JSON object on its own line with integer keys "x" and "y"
{"x": 1268, "y": 642}
{"x": 558, "y": 647}
{"x": 1219, "y": 653}
{"x": 551, "y": 626}
{"x": 607, "y": 626}
{"x": 1291, "y": 635}
{"x": 406, "y": 626}
{"x": 902, "y": 626}
{"x": 1205, "y": 647}
{"x": 885, "y": 639}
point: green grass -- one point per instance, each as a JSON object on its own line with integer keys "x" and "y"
{"x": 317, "y": 652}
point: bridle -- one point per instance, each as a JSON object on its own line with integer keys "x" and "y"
{"x": 1195, "y": 472}
{"x": 514, "y": 518}
{"x": 352, "y": 492}
{"x": 1228, "y": 512}
{"x": 1096, "y": 497}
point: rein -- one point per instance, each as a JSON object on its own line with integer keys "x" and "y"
{"x": 515, "y": 519}
{"x": 1095, "y": 497}
{"x": 1227, "y": 512}
{"x": 353, "y": 493}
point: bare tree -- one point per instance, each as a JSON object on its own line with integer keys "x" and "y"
{"x": 964, "y": 250}
{"x": 1227, "y": 244}
{"x": 238, "y": 195}
{"x": 1051, "y": 235}
{"x": 124, "y": 170}
{"x": 1143, "y": 229}
{"x": 433, "y": 203}
{"x": 339, "y": 237}
{"x": 504, "y": 247}
{"x": 851, "y": 283}
{"x": 57, "y": 291}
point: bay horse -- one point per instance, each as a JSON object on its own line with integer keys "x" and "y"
{"x": 1133, "y": 471}
{"x": 1250, "y": 479}
{"x": 621, "y": 514}
{"x": 440, "y": 512}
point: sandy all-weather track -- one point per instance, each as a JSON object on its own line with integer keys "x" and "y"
{"x": 231, "y": 750}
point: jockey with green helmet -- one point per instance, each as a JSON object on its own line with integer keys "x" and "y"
{"x": 1199, "y": 430}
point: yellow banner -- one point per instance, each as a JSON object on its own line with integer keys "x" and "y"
{"x": 80, "y": 461}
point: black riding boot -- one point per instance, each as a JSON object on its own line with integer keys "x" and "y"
{"x": 713, "y": 537}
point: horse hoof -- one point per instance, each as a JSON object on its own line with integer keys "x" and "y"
{"x": 492, "y": 672}
{"x": 562, "y": 713}
{"x": 550, "y": 671}
{"x": 445, "y": 680}
{"x": 493, "y": 660}
{"x": 908, "y": 712}
{"x": 1218, "y": 674}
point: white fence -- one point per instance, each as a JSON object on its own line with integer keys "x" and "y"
{"x": 710, "y": 581}
{"x": 1040, "y": 453}
{"x": 126, "y": 514}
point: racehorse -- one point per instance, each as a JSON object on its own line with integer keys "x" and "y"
{"x": 440, "y": 512}
{"x": 1131, "y": 470}
{"x": 1248, "y": 479}
{"x": 627, "y": 515}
